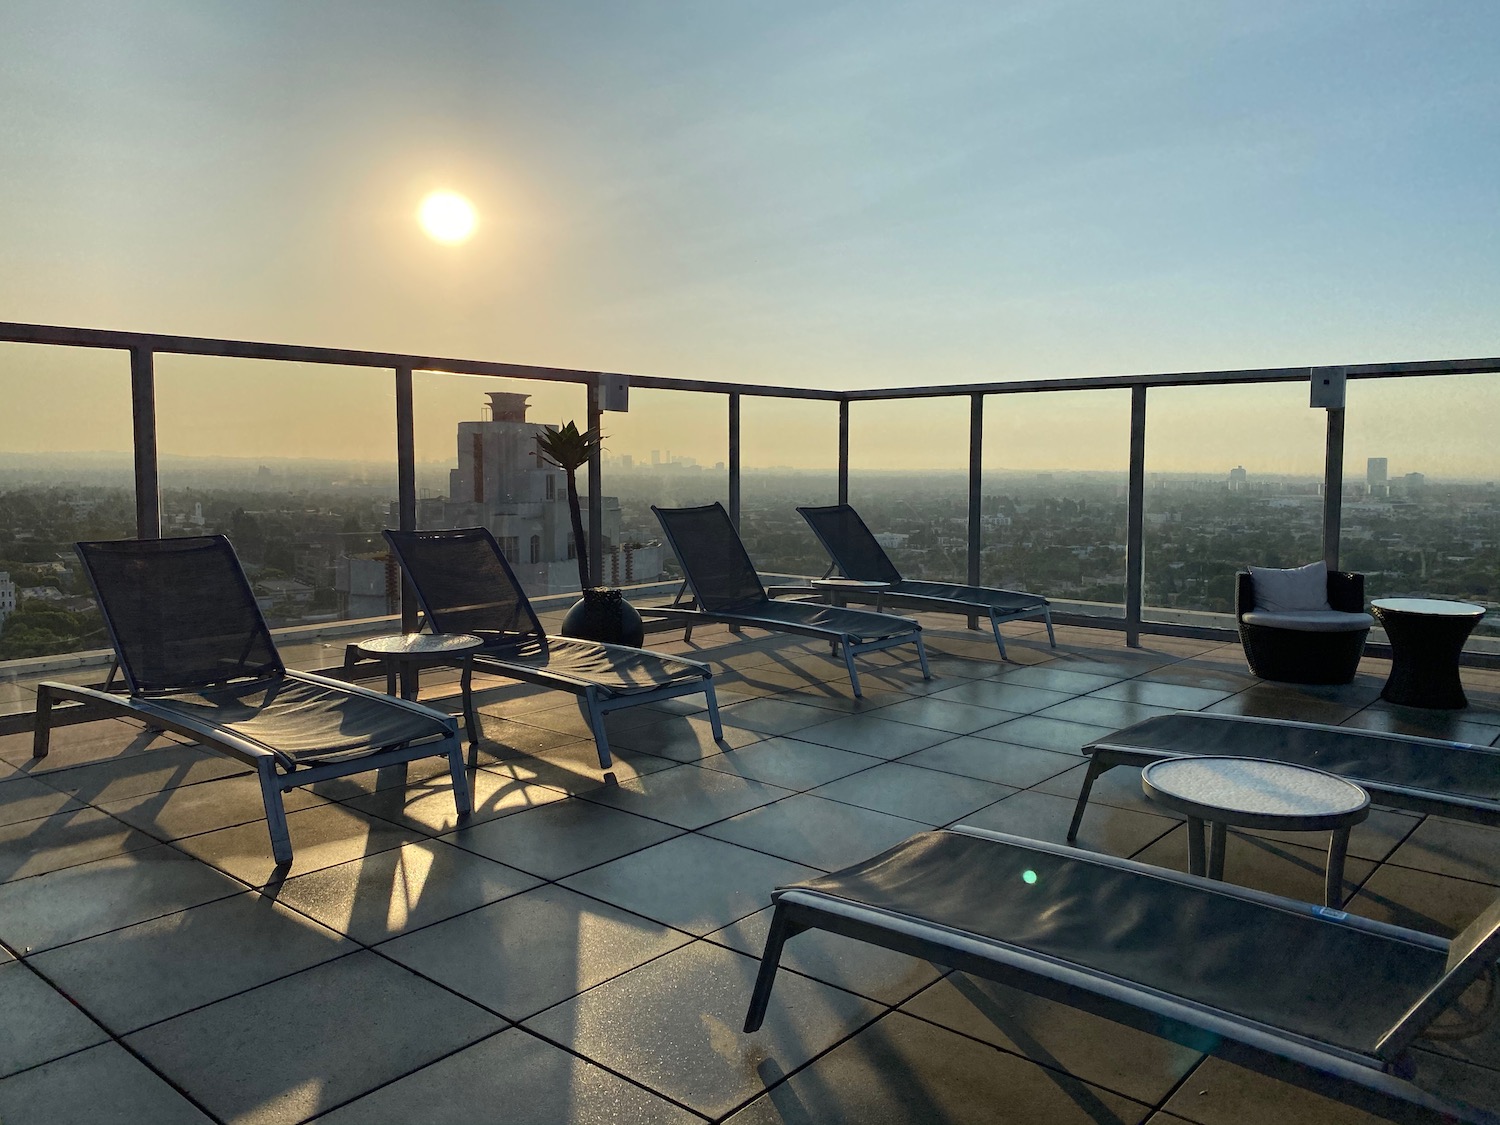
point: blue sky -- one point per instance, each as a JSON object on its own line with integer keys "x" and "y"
{"x": 820, "y": 194}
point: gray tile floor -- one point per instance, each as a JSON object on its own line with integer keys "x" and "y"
{"x": 581, "y": 949}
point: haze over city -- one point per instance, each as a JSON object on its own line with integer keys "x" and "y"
{"x": 828, "y": 195}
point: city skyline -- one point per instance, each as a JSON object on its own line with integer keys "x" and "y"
{"x": 817, "y": 195}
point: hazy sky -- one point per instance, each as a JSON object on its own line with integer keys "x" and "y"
{"x": 808, "y": 193}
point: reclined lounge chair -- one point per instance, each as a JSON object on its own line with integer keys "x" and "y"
{"x": 857, "y": 554}
{"x": 1136, "y": 944}
{"x": 1425, "y": 775}
{"x": 199, "y": 661}
{"x": 727, "y": 589}
{"x": 465, "y": 585}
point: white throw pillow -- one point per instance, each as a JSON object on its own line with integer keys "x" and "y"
{"x": 1288, "y": 591}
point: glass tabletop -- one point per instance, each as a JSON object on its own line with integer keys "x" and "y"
{"x": 1255, "y": 787}
{"x": 420, "y": 644}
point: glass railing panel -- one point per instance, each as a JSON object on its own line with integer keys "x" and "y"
{"x": 1234, "y": 477}
{"x": 1053, "y": 514}
{"x": 66, "y": 473}
{"x": 671, "y": 449}
{"x": 909, "y": 480}
{"x": 789, "y": 455}
{"x": 296, "y": 464}
{"x": 478, "y": 465}
{"x": 1421, "y": 505}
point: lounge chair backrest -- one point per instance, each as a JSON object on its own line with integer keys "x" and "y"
{"x": 180, "y": 612}
{"x": 713, "y": 558}
{"x": 1470, "y": 955}
{"x": 464, "y": 584}
{"x": 850, "y": 543}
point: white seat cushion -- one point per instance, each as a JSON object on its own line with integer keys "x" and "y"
{"x": 1311, "y": 620}
{"x": 1289, "y": 591}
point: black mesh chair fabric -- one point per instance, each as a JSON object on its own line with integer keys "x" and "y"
{"x": 712, "y": 557}
{"x": 302, "y": 721}
{"x": 857, "y": 554}
{"x": 1336, "y": 984}
{"x": 850, "y": 543}
{"x": 859, "y": 624}
{"x": 1376, "y": 761}
{"x": 465, "y": 585}
{"x": 180, "y": 612}
{"x": 614, "y": 669}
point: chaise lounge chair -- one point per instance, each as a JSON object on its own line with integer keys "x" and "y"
{"x": 1425, "y": 775}
{"x": 465, "y": 585}
{"x": 199, "y": 661}
{"x": 727, "y": 589}
{"x": 1137, "y": 944}
{"x": 857, "y": 554}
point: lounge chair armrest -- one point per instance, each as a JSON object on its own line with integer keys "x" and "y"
{"x": 145, "y": 710}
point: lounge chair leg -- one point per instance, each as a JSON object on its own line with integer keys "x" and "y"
{"x": 270, "y": 794}
{"x": 463, "y": 800}
{"x": 1047, "y": 616}
{"x": 714, "y": 725}
{"x": 471, "y": 727}
{"x": 1094, "y": 770}
{"x": 999, "y": 641}
{"x": 596, "y": 724}
{"x": 41, "y": 735}
{"x": 853, "y": 675}
{"x": 922, "y": 658}
{"x": 770, "y": 961}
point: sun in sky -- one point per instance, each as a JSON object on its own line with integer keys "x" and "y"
{"x": 447, "y": 217}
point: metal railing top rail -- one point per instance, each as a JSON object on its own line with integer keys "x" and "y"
{"x": 21, "y": 333}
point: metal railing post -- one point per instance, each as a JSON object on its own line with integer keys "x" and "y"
{"x": 976, "y": 486}
{"x": 143, "y": 421}
{"x": 596, "y": 490}
{"x": 843, "y": 451}
{"x": 1135, "y": 534}
{"x": 734, "y": 460}
{"x": 1333, "y": 487}
{"x": 406, "y": 494}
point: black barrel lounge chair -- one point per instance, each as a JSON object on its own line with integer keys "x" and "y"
{"x": 856, "y": 554}
{"x": 1138, "y": 944}
{"x": 727, "y": 589}
{"x": 199, "y": 661}
{"x": 1425, "y": 775}
{"x": 465, "y": 585}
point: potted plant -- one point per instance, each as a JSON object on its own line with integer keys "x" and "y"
{"x": 603, "y": 614}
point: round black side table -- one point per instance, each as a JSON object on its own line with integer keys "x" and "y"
{"x": 1426, "y": 635}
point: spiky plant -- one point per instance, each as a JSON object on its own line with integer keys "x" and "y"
{"x": 570, "y": 449}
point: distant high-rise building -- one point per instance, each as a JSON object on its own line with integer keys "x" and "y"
{"x": 1237, "y": 479}
{"x": 1375, "y": 477}
{"x": 7, "y": 597}
{"x": 627, "y": 461}
{"x": 503, "y": 483}
{"x": 655, "y": 457}
{"x": 1414, "y": 482}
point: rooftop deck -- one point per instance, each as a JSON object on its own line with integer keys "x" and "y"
{"x": 582, "y": 948}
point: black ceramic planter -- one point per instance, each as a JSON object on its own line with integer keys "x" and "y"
{"x": 604, "y": 615}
